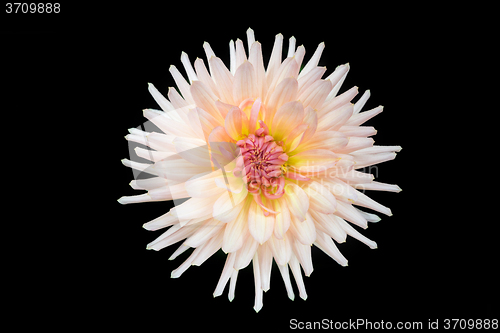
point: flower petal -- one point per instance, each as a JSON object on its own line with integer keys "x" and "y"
{"x": 285, "y": 92}
{"x": 296, "y": 200}
{"x": 234, "y": 123}
{"x": 281, "y": 249}
{"x": 326, "y": 223}
{"x": 335, "y": 119}
{"x": 338, "y": 101}
{"x": 320, "y": 198}
{"x": 313, "y": 161}
{"x": 245, "y": 83}
{"x": 260, "y": 226}
{"x": 282, "y": 220}
{"x": 223, "y": 79}
{"x": 354, "y": 233}
{"x": 331, "y": 140}
{"x": 315, "y": 95}
{"x": 287, "y": 117}
{"x": 205, "y": 99}
{"x": 235, "y": 232}
{"x": 303, "y": 254}
{"x": 226, "y": 274}
{"x": 325, "y": 243}
{"x": 295, "y": 267}
{"x": 305, "y": 231}
{"x": 313, "y": 62}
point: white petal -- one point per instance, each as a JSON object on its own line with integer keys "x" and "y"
{"x": 362, "y": 117}
{"x": 303, "y": 254}
{"x": 281, "y": 249}
{"x": 297, "y": 201}
{"x": 326, "y": 223}
{"x": 258, "y": 286}
{"x": 188, "y": 67}
{"x": 313, "y": 62}
{"x": 235, "y": 232}
{"x": 361, "y": 102}
{"x": 245, "y": 254}
{"x": 227, "y": 271}
{"x": 325, "y": 243}
{"x": 295, "y": 267}
{"x": 223, "y": 79}
{"x": 232, "y": 285}
{"x": 275, "y": 60}
{"x": 181, "y": 84}
{"x": 260, "y": 226}
{"x": 206, "y": 231}
{"x": 265, "y": 262}
{"x": 376, "y": 186}
{"x": 348, "y": 212}
{"x": 354, "y": 233}
{"x": 161, "y": 222}
{"x": 304, "y": 232}
{"x": 365, "y": 201}
{"x": 320, "y": 198}
{"x": 286, "y": 278}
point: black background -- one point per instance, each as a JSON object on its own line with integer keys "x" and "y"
{"x": 78, "y": 81}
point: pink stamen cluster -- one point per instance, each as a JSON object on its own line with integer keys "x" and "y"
{"x": 261, "y": 164}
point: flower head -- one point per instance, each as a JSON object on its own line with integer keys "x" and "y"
{"x": 268, "y": 160}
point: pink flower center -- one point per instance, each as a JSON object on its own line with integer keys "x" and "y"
{"x": 262, "y": 165}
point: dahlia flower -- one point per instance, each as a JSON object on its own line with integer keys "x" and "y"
{"x": 263, "y": 163}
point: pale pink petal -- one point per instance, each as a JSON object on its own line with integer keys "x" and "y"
{"x": 326, "y": 223}
{"x": 171, "y": 236}
{"x": 181, "y": 84}
{"x": 308, "y": 79}
{"x": 376, "y": 186}
{"x": 366, "y": 201}
{"x": 335, "y": 119}
{"x": 291, "y": 47}
{"x": 361, "y": 102}
{"x": 229, "y": 205}
{"x": 303, "y": 254}
{"x": 234, "y": 123}
{"x": 245, "y": 254}
{"x": 285, "y": 92}
{"x": 282, "y": 221}
{"x": 265, "y": 262}
{"x": 275, "y": 60}
{"x": 356, "y": 143}
{"x": 315, "y": 95}
{"x": 341, "y": 190}
{"x": 223, "y": 79}
{"x": 325, "y": 243}
{"x": 255, "y": 57}
{"x": 188, "y": 67}
{"x": 204, "y": 76}
{"x": 320, "y": 198}
{"x": 287, "y": 117}
{"x": 258, "y": 286}
{"x": 349, "y": 213}
{"x": 245, "y": 82}
{"x": 297, "y": 274}
{"x": 232, "y": 57}
{"x": 208, "y": 249}
{"x": 286, "y": 278}
{"x": 332, "y": 140}
{"x": 313, "y": 62}
{"x": 161, "y": 222}
{"x": 260, "y": 226}
{"x": 354, "y": 233}
{"x": 281, "y": 249}
{"x": 305, "y": 231}
{"x": 235, "y": 232}
{"x": 160, "y": 99}
{"x": 358, "y": 130}
{"x": 313, "y": 161}
{"x": 232, "y": 285}
{"x": 365, "y": 160}
{"x": 337, "y": 78}
{"x": 241, "y": 56}
{"x": 227, "y": 271}
{"x": 207, "y": 230}
{"x": 362, "y": 117}
{"x": 205, "y": 99}
{"x": 338, "y": 101}
{"x": 193, "y": 150}
{"x": 311, "y": 119}
{"x": 297, "y": 201}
